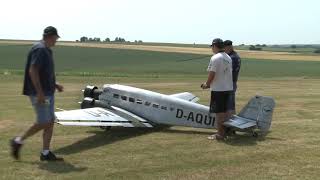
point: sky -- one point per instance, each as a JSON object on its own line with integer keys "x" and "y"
{"x": 173, "y": 21}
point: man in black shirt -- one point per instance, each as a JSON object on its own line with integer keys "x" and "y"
{"x": 236, "y": 63}
{"x": 40, "y": 85}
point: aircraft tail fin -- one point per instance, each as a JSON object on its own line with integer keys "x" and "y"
{"x": 260, "y": 110}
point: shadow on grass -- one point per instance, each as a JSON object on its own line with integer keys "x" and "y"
{"x": 245, "y": 139}
{"x": 57, "y": 167}
{"x": 101, "y": 138}
{"x": 180, "y": 131}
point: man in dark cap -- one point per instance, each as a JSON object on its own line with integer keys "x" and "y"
{"x": 40, "y": 85}
{"x": 220, "y": 83}
{"x": 236, "y": 63}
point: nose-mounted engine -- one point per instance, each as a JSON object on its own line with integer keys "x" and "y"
{"x": 91, "y": 98}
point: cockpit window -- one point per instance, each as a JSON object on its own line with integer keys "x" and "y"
{"x": 124, "y": 98}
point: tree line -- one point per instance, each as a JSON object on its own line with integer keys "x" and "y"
{"x": 96, "y": 39}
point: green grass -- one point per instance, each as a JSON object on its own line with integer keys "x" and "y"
{"x": 148, "y": 64}
{"x": 289, "y": 151}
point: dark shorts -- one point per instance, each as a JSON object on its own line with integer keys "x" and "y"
{"x": 44, "y": 112}
{"x": 220, "y": 101}
{"x": 232, "y": 99}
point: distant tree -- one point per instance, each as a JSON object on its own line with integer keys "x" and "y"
{"x": 316, "y": 51}
{"x": 242, "y": 45}
{"x": 83, "y": 39}
{"x": 253, "y": 48}
{"x": 96, "y": 39}
{"x": 293, "y": 46}
{"x": 119, "y": 39}
{"x": 264, "y": 45}
{"x": 140, "y": 41}
{"x": 258, "y": 45}
{"x": 90, "y": 39}
{"x": 107, "y": 40}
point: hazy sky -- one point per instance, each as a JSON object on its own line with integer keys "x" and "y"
{"x": 183, "y": 21}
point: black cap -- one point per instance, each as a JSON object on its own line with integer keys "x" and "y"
{"x": 50, "y": 30}
{"x": 218, "y": 42}
{"x": 227, "y": 43}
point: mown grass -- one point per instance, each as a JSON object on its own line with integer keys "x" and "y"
{"x": 289, "y": 151}
{"x": 147, "y": 64}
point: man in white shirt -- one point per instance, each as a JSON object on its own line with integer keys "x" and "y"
{"x": 221, "y": 85}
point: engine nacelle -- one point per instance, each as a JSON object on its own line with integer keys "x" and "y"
{"x": 92, "y": 92}
{"x": 90, "y": 103}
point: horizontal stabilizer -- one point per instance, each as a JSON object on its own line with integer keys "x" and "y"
{"x": 240, "y": 123}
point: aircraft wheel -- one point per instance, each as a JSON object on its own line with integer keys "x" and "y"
{"x": 106, "y": 128}
{"x": 255, "y": 134}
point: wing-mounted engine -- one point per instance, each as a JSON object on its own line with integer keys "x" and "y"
{"x": 92, "y": 92}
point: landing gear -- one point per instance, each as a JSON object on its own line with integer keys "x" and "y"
{"x": 254, "y": 134}
{"x": 105, "y": 128}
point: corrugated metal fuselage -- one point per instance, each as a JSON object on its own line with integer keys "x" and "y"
{"x": 158, "y": 108}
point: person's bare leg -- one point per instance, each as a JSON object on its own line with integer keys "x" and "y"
{"x": 229, "y": 114}
{"x": 33, "y": 130}
{"x": 47, "y": 136}
{"x": 220, "y": 120}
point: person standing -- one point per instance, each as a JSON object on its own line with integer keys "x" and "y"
{"x": 40, "y": 85}
{"x": 236, "y": 64}
{"x": 220, "y": 83}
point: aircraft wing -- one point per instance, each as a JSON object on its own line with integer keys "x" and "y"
{"x": 186, "y": 96}
{"x": 240, "y": 123}
{"x": 100, "y": 117}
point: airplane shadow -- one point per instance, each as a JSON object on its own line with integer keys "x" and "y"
{"x": 180, "y": 131}
{"x": 243, "y": 139}
{"x": 101, "y": 138}
{"x": 56, "y": 167}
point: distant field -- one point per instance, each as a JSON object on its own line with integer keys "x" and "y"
{"x": 128, "y": 62}
{"x": 177, "y": 48}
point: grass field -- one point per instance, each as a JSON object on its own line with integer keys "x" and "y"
{"x": 289, "y": 151}
{"x": 128, "y": 63}
{"x": 279, "y": 55}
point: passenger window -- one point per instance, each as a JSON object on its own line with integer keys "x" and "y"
{"x": 124, "y": 98}
{"x": 164, "y": 107}
{"x": 139, "y": 101}
{"x": 131, "y": 99}
{"x": 147, "y": 103}
{"x": 116, "y": 96}
{"x": 155, "y": 105}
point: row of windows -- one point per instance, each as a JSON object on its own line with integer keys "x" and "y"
{"x": 139, "y": 101}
